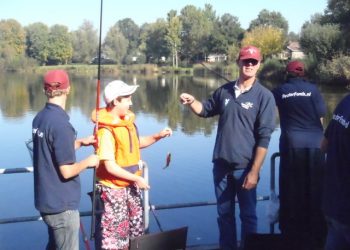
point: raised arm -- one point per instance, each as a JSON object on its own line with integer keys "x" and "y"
{"x": 195, "y": 105}
{"x": 146, "y": 141}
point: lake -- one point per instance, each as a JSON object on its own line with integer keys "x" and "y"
{"x": 187, "y": 179}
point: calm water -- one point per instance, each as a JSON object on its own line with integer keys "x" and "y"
{"x": 188, "y": 179}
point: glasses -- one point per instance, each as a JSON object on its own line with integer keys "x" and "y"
{"x": 248, "y": 62}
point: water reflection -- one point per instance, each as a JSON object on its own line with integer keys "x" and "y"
{"x": 188, "y": 179}
{"x": 156, "y": 96}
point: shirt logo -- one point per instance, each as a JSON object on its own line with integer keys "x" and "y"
{"x": 247, "y": 105}
{"x": 341, "y": 120}
{"x": 37, "y": 132}
{"x": 296, "y": 94}
{"x": 226, "y": 101}
{"x": 251, "y": 51}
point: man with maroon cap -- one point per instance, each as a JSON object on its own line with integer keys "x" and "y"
{"x": 246, "y": 112}
{"x": 301, "y": 110}
{"x": 56, "y": 172}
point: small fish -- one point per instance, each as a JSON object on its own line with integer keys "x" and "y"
{"x": 167, "y": 160}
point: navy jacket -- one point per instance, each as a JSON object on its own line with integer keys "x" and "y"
{"x": 300, "y": 106}
{"x": 53, "y": 145}
{"x": 337, "y": 175}
{"x": 244, "y": 122}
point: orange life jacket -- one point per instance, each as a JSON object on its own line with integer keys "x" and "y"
{"x": 127, "y": 146}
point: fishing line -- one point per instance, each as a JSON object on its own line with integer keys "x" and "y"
{"x": 156, "y": 217}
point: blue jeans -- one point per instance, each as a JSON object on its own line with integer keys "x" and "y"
{"x": 338, "y": 236}
{"x": 63, "y": 229}
{"x": 228, "y": 184}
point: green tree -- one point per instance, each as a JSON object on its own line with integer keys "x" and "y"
{"x": 337, "y": 69}
{"x": 338, "y": 12}
{"x": 270, "y": 18}
{"x": 269, "y": 39}
{"x": 197, "y": 27}
{"x": 85, "y": 43}
{"x": 156, "y": 43}
{"x": 115, "y": 45}
{"x": 292, "y": 36}
{"x": 322, "y": 41}
{"x": 37, "y": 36}
{"x": 60, "y": 45}
{"x": 142, "y": 48}
{"x": 232, "y": 53}
{"x": 131, "y": 32}
{"x": 173, "y": 36}
{"x": 227, "y": 31}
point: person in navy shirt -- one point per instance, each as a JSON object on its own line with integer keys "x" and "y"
{"x": 56, "y": 172}
{"x": 246, "y": 113}
{"x": 301, "y": 110}
{"x": 336, "y": 204}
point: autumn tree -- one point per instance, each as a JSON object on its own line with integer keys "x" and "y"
{"x": 269, "y": 39}
{"x": 12, "y": 39}
{"x": 60, "y": 45}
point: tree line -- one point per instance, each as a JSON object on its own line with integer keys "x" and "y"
{"x": 182, "y": 39}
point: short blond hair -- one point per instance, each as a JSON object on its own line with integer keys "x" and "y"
{"x": 53, "y": 93}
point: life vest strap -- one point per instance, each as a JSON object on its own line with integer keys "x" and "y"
{"x": 132, "y": 169}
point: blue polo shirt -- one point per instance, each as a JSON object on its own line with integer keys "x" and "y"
{"x": 53, "y": 146}
{"x": 300, "y": 106}
{"x": 245, "y": 122}
{"x": 337, "y": 175}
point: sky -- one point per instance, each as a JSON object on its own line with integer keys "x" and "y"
{"x": 72, "y": 13}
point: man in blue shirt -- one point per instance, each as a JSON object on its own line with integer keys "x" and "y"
{"x": 56, "y": 172}
{"x": 336, "y": 203}
{"x": 246, "y": 112}
{"x": 301, "y": 110}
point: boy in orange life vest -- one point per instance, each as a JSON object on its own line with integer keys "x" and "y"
{"x": 119, "y": 173}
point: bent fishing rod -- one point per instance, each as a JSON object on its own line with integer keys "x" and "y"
{"x": 98, "y": 88}
{"x": 211, "y": 70}
{"x": 215, "y": 72}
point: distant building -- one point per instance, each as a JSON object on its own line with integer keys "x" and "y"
{"x": 216, "y": 58}
{"x": 292, "y": 52}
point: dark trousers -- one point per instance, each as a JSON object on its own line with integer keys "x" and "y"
{"x": 302, "y": 222}
{"x": 228, "y": 184}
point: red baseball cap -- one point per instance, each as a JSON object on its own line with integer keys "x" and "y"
{"x": 55, "y": 80}
{"x": 296, "y": 67}
{"x": 249, "y": 52}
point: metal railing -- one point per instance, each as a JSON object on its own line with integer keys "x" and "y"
{"x": 147, "y": 207}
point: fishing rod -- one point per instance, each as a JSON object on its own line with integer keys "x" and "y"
{"x": 98, "y": 88}
{"x": 211, "y": 70}
{"x": 215, "y": 72}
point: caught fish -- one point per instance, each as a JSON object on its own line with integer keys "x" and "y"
{"x": 167, "y": 160}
